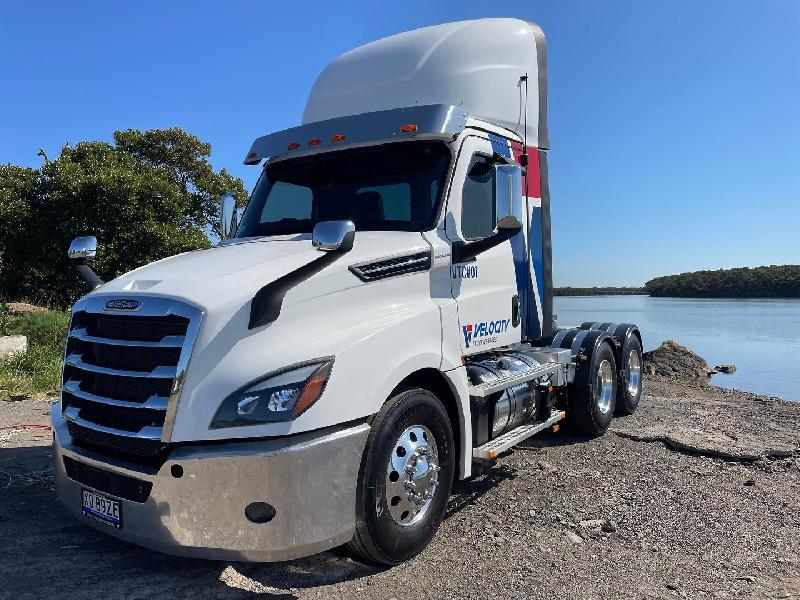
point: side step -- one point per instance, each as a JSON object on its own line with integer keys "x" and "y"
{"x": 500, "y": 444}
{"x": 515, "y": 378}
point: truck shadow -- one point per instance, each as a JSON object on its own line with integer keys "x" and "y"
{"x": 48, "y": 553}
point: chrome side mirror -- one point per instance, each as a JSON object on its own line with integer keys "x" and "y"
{"x": 333, "y": 235}
{"x": 227, "y": 216}
{"x": 83, "y": 248}
{"x": 508, "y": 196}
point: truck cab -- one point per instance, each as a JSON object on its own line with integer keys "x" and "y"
{"x": 378, "y": 320}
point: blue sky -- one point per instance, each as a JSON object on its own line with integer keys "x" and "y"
{"x": 675, "y": 127}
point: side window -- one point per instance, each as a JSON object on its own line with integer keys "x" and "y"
{"x": 287, "y": 201}
{"x": 477, "y": 200}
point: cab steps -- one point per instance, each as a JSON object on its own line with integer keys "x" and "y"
{"x": 497, "y": 385}
{"x": 497, "y": 446}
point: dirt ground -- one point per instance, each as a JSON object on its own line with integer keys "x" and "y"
{"x": 695, "y": 496}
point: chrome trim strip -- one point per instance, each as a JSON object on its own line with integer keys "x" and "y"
{"x": 160, "y": 372}
{"x": 170, "y": 341}
{"x": 153, "y": 402}
{"x": 145, "y": 433}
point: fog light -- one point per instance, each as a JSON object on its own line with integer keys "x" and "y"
{"x": 259, "y": 512}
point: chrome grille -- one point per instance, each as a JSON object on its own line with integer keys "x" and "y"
{"x": 123, "y": 373}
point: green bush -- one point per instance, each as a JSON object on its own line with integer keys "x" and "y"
{"x": 39, "y": 369}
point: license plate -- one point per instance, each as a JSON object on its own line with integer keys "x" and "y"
{"x": 102, "y": 508}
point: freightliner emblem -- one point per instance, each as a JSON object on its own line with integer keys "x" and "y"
{"x": 122, "y": 304}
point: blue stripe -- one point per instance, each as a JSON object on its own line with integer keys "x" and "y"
{"x": 500, "y": 144}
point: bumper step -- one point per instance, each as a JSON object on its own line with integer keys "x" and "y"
{"x": 499, "y": 445}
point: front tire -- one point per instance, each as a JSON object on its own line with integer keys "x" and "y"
{"x": 405, "y": 478}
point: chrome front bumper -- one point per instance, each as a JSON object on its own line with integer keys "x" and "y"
{"x": 310, "y": 480}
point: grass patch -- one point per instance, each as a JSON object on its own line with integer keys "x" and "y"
{"x": 39, "y": 369}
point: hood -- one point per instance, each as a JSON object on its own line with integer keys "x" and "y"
{"x": 241, "y": 268}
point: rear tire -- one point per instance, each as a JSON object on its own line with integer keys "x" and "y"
{"x": 630, "y": 384}
{"x": 591, "y": 406}
{"x": 405, "y": 478}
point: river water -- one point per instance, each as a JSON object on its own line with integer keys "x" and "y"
{"x": 759, "y": 336}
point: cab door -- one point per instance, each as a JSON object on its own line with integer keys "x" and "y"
{"x": 484, "y": 288}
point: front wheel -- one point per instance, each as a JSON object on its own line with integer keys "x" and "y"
{"x": 405, "y": 478}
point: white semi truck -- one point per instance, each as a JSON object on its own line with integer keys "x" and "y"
{"x": 379, "y": 320}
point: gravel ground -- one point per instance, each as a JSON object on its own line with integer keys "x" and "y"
{"x": 695, "y": 496}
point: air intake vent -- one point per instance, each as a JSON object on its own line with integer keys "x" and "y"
{"x": 115, "y": 484}
{"x": 390, "y": 267}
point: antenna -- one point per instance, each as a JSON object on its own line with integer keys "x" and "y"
{"x": 523, "y": 159}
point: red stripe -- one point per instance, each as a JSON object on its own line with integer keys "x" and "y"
{"x": 534, "y": 189}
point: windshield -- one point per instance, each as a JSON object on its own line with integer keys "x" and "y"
{"x": 394, "y": 187}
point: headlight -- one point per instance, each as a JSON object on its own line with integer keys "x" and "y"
{"x": 281, "y": 396}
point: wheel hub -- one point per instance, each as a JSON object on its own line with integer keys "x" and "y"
{"x": 412, "y": 475}
{"x": 634, "y": 373}
{"x": 604, "y": 387}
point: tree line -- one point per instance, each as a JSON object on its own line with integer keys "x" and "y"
{"x": 775, "y": 281}
{"x": 596, "y": 291}
{"x": 148, "y": 195}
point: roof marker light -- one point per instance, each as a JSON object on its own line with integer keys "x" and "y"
{"x": 293, "y": 146}
{"x": 314, "y": 142}
{"x": 410, "y": 128}
{"x": 337, "y": 137}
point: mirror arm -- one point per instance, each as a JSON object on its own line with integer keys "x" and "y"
{"x": 464, "y": 251}
{"x": 86, "y": 273}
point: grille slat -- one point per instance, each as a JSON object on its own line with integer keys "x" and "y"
{"x": 120, "y": 372}
{"x": 122, "y": 486}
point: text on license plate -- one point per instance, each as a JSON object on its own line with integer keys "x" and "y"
{"x": 102, "y": 508}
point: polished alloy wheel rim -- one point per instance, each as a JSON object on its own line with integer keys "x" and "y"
{"x": 604, "y": 387}
{"x": 412, "y": 475}
{"x": 634, "y": 373}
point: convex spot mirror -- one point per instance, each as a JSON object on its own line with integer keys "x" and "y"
{"x": 228, "y": 216}
{"x": 83, "y": 248}
{"x": 333, "y": 235}
{"x": 508, "y": 196}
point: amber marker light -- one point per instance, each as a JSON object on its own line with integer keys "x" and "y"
{"x": 410, "y": 128}
{"x": 314, "y": 142}
{"x": 293, "y": 146}
{"x": 338, "y": 137}
{"x": 313, "y": 388}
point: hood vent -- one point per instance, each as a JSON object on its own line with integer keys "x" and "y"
{"x": 390, "y": 267}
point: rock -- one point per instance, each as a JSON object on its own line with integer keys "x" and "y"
{"x": 747, "y": 578}
{"x": 725, "y": 368}
{"x": 671, "y": 359}
{"x": 545, "y": 467}
{"x": 610, "y": 526}
{"x": 573, "y": 537}
{"x": 750, "y": 482}
{"x": 20, "y": 308}
{"x": 13, "y": 344}
{"x": 592, "y": 523}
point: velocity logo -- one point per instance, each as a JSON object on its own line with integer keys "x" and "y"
{"x": 485, "y": 332}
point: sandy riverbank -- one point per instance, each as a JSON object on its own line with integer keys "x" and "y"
{"x": 695, "y": 496}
